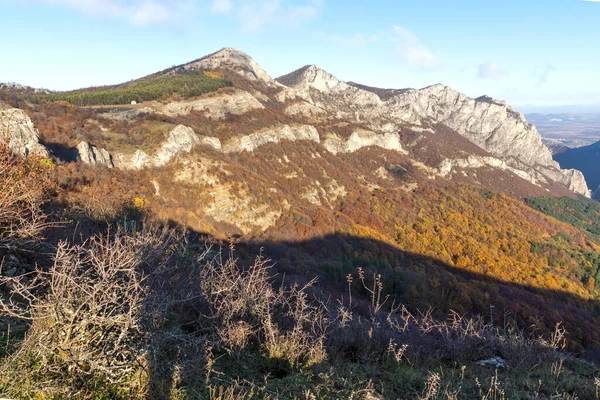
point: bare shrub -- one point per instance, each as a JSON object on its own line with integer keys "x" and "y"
{"x": 245, "y": 306}
{"x": 85, "y": 313}
{"x": 23, "y": 190}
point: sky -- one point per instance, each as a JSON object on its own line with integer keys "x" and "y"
{"x": 535, "y": 54}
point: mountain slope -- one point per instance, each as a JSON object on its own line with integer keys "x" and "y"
{"x": 489, "y": 124}
{"x": 310, "y": 156}
{"x": 414, "y": 194}
{"x": 586, "y": 159}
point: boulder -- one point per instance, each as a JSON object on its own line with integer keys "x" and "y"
{"x": 93, "y": 155}
{"x": 19, "y": 132}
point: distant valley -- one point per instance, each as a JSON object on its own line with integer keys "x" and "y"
{"x": 568, "y": 129}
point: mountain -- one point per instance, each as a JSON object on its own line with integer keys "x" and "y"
{"x": 586, "y": 159}
{"x": 555, "y": 146}
{"x": 17, "y": 88}
{"x": 306, "y": 155}
{"x": 435, "y": 132}
{"x": 432, "y": 198}
{"x": 491, "y": 125}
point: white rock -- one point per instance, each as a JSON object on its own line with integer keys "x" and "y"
{"x": 136, "y": 161}
{"x": 362, "y": 138}
{"x": 22, "y": 136}
{"x": 272, "y": 135}
{"x": 213, "y": 142}
{"x": 217, "y": 107}
{"x": 496, "y": 362}
{"x": 92, "y": 155}
{"x": 181, "y": 139}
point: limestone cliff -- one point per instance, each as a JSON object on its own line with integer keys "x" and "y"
{"x": 19, "y": 132}
{"x": 492, "y": 125}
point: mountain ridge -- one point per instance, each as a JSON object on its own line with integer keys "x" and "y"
{"x": 313, "y": 93}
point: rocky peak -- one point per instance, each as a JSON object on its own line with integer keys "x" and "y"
{"x": 17, "y": 88}
{"x": 492, "y": 125}
{"x": 311, "y": 76}
{"x": 232, "y": 60}
{"x": 320, "y": 88}
{"x": 488, "y": 123}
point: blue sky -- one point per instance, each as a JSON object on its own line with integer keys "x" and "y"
{"x": 528, "y": 52}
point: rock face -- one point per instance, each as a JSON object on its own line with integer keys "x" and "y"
{"x": 238, "y": 103}
{"x": 492, "y": 125}
{"x": 339, "y": 99}
{"x": 92, "y": 155}
{"x": 448, "y": 166}
{"x": 22, "y": 136}
{"x": 181, "y": 140}
{"x": 272, "y": 135}
{"x": 362, "y": 138}
{"x": 135, "y": 161}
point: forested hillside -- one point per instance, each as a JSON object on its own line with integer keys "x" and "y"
{"x": 145, "y": 89}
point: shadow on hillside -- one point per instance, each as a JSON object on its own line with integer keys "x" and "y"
{"x": 60, "y": 151}
{"x": 417, "y": 281}
{"x": 422, "y": 282}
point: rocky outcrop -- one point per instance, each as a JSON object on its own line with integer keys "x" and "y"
{"x": 126, "y": 114}
{"x": 135, "y": 161}
{"x": 571, "y": 178}
{"x": 182, "y": 139}
{"x": 217, "y": 107}
{"x": 93, "y": 155}
{"x": 19, "y": 132}
{"x": 362, "y": 138}
{"x": 272, "y": 135}
{"x": 449, "y": 166}
{"x": 492, "y": 125}
{"x": 339, "y": 99}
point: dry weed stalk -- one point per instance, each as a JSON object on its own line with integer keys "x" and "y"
{"x": 245, "y": 306}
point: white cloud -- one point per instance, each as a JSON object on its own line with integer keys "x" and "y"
{"x": 253, "y": 15}
{"x": 413, "y": 52}
{"x": 221, "y": 6}
{"x": 136, "y": 12}
{"x": 490, "y": 70}
{"x": 407, "y": 47}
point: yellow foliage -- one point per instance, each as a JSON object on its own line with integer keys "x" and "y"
{"x": 139, "y": 203}
{"x": 214, "y": 74}
{"x": 47, "y": 163}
